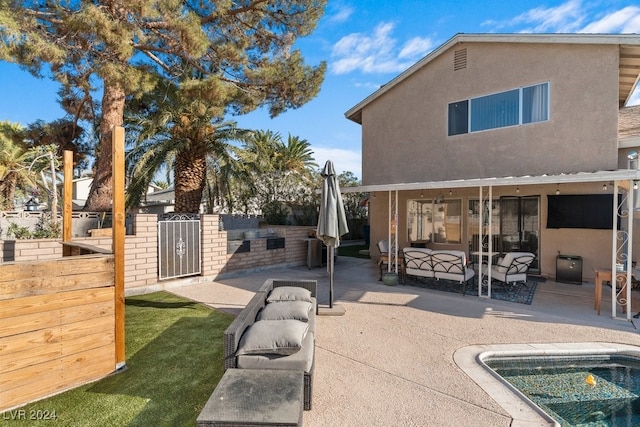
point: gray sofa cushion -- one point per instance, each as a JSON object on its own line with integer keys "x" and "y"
{"x": 289, "y": 293}
{"x": 282, "y": 310}
{"x": 279, "y": 337}
{"x": 301, "y": 360}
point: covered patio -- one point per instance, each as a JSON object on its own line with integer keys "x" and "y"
{"x": 621, "y": 182}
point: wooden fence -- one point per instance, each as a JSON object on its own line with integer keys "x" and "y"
{"x": 57, "y": 331}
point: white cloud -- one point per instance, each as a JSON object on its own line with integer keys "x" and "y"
{"x": 376, "y": 52}
{"x": 343, "y": 160}
{"x": 571, "y": 17}
{"x": 339, "y": 13}
{"x": 416, "y": 47}
{"x": 626, "y": 20}
{"x": 368, "y": 85}
{"x": 564, "y": 18}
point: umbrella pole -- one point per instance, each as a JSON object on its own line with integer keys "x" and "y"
{"x": 331, "y": 249}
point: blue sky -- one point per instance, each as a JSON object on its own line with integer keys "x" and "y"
{"x": 366, "y": 43}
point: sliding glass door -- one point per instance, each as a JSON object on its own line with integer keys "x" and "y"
{"x": 520, "y": 226}
{"x": 515, "y": 226}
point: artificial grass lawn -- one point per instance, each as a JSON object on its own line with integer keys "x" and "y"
{"x": 352, "y": 251}
{"x": 173, "y": 360}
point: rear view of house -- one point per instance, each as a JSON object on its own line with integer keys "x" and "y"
{"x": 482, "y": 141}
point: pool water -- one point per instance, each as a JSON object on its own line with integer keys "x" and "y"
{"x": 586, "y": 391}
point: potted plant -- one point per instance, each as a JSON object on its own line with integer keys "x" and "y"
{"x": 390, "y": 278}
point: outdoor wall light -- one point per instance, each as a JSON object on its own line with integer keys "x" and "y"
{"x": 635, "y": 185}
{"x": 517, "y": 189}
{"x": 632, "y": 159}
{"x": 31, "y": 205}
{"x": 604, "y": 187}
{"x": 557, "y": 189}
{"x": 450, "y": 192}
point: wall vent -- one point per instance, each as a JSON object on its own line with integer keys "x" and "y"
{"x": 460, "y": 59}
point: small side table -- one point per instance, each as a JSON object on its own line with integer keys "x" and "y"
{"x": 604, "y": 275}
{"x": 255, "y": 397}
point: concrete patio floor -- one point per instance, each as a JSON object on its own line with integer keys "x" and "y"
{"x": 389, "y": 361}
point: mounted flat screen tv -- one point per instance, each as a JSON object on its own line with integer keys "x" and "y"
{"x": 580, "y": 211}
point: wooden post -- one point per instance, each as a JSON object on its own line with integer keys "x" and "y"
{"x": 118, "y": 229}
{"x": 67, "y": 204}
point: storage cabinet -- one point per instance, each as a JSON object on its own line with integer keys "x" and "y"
{"x": 569, "y": 269}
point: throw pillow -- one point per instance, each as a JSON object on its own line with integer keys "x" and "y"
{"x": 280, "y": 337}
{"x": 282, "y": 310}
{"x": 289, "y": 293}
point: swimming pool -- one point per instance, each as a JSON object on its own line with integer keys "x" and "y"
{"x": 562, "y": 384}
{"x": 590, "y": 390}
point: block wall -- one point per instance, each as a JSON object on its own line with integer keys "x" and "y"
{"x": 141, "y": 250}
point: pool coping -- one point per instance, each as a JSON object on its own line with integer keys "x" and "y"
{"x": 522, "y": 410}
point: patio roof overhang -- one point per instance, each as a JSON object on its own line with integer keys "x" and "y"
{"x": 564, "y": 178}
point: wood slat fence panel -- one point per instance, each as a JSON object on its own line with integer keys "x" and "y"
{"x": 57, "y": 326}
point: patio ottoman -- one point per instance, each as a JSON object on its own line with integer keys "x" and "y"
{"x": 255, "y": 397}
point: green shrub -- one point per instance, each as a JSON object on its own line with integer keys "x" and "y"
{"x": 275, "y": 213}
{"x": 45, "y": 228}
{"x": 18, "y": 232}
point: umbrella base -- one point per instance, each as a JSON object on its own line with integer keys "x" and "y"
{"x": 336, "y": 310}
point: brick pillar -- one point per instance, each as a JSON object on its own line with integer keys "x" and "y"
{"x": 214, "y": 246}
{"x": 141, "y": 252}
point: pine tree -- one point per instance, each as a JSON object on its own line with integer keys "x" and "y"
{"x": 242, "y": 50}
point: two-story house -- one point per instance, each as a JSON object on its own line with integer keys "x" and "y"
{"x": 520, "y": 140}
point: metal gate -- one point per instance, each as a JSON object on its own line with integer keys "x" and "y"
{"x": 178, "y": 247}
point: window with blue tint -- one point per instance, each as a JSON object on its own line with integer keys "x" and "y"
{"x": 510, "y": 108}
{"x": 535, "y": 103}
{"x": 495, "y": 111}
{"x": 459, "y": 117}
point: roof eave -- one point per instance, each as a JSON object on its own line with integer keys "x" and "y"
{"x": 355, "y": 113}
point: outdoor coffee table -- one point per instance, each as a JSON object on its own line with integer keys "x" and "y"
{"x": 255, "y": 397}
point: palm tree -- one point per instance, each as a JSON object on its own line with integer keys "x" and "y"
{"x": 175, "y": 128}
{"x": 161, "y": 184}
{"x": 297, "y": 155}
{"x": 275, "y": 174}
{"x": 14, "y": 169}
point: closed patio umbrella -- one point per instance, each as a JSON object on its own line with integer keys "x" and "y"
{"x": 332, "y": 221}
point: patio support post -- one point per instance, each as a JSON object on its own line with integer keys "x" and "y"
{"x": 480, "y": 237}
{"x": 630, "y": 204}
{"x": 393, "y": 231}
{"x": 490, "y": 241}
{"x": 390, "y": 215}
{"x": 622, "y": 248}
{"x": 395, "y": 236}
{"x": 614, "y": 251}
{"x": 481, "y": 221}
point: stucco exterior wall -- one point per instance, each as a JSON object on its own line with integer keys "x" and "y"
{"x": 404, "y": 132}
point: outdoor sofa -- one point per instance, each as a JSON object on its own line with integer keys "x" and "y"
{"x": 438, "y": 264}
{"x": 276, "y": 330}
